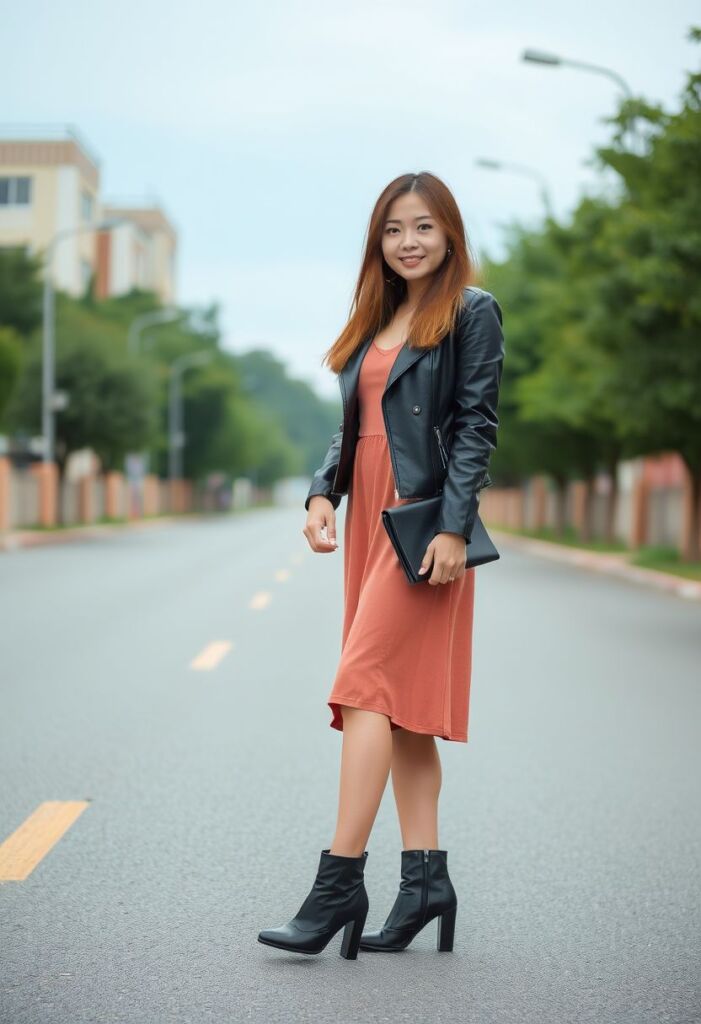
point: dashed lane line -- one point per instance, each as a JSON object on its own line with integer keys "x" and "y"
{"x": 28, "y": 845}
{"x": 211, "y": 656}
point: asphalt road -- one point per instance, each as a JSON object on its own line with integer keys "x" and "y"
{"x": 572, "y": 817}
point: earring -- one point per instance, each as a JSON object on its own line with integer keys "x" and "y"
{"x": 449, "y": 251}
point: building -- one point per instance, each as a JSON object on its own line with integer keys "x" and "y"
{"x": 137, "y": 253}
{"x": 50, "y": 183}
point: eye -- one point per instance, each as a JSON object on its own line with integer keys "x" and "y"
{"x": 391, "y": 229}
{"x": 426, "y": 225}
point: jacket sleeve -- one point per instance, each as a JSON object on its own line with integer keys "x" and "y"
{"x": 479, "y": 361}
{"x": 324, "y": 475}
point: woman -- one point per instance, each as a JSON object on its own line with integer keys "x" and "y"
{"x": 419, "y": 366}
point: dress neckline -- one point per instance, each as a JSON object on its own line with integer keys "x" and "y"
{"x": 386, "y": 351}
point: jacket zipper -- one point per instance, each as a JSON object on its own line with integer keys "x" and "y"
{"x": 441, "y": 448}
{"x": 424, "y": 892}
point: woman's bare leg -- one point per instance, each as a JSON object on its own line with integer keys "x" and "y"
{"x": 416, "y": 780}
{"x": 365, "y": 762}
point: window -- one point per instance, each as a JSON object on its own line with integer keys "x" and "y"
{"x": 22, "y": 190}
{"x": 15, "y": 191}
{"x": 86, "y": 206}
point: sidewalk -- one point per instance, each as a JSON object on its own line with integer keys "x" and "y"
{"x": 612, "y": 563}
{"x": 10, "y": 540}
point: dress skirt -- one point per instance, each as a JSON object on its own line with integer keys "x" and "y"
{"x": 406, "y": 650}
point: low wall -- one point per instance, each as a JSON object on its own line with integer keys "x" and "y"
{"x": 648, "y": 511}
{"x": 34, "y": 497}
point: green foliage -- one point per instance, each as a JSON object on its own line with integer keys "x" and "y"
{"x": 603, "y": 314}
{"x": 243, "y": 415}
{"x": 651, "y": 303}
{"x": 110, "y": 402}
{"x": 20, "y": 290}
{"x": 291, "y": 408}
{"x": 10, "y": 364}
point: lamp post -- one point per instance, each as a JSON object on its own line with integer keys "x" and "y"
{"x": 50, "y": 402}
{"x": 176, "y": 436}
{"x": 554, "y": 60}
{"x": 155, "y": 316}
{"x": 152, "y": 318}
{"x": 529, "y": 172}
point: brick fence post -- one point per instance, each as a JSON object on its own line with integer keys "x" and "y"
{"x": 5, "y": 484}
{"x": 639, "y": 512}
{"x": 151, "y": 495}
{"x": 114, "y": 490}
{"x": 47, "y": 483}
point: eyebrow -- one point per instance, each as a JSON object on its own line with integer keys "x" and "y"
{"x": 424, "y": 216}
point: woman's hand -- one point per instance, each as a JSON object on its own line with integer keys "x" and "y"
{"x": 449, "y": 554}
{"x": 321, "y": 516}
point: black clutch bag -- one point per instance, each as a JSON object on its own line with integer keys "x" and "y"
{"x": 412, "y": 527}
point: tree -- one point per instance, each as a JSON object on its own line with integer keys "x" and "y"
{"x": 20, "y": 314}
{"x": 650, "y": 308}
{"x": 111, "y": 401}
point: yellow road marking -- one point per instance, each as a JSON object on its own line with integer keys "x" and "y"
{"x": 211, "y": 656}
{"x": 261, "y": 600}
{"x": 29, "y": 844}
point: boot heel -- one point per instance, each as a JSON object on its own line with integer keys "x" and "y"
{"x": 351, "y": 937}
{"x": 446, "y": 930}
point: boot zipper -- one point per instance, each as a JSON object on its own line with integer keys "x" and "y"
{"x": 424, "y": 891}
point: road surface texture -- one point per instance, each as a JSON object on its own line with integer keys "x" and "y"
{"x": 572, "y": 816}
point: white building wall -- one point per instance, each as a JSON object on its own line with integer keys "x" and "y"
{"x": 66, "y": 252}
{"x": 128, "y": 259}
{"x": 55, "y": 205}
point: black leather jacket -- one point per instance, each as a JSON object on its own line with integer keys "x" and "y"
{"x": 440, "y": 411}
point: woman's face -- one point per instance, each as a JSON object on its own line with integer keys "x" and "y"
{"x": 410, "y": 231}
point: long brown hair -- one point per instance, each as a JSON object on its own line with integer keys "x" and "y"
{"x": 379, "y": 291}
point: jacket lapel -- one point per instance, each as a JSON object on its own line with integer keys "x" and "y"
{"x": 406, "y": 358}
{"x": 349, "y": 375}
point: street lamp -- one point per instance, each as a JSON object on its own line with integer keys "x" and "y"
{"x": 163, "y": 315}
{"x": 553, "y": 60}
{"x": 155, "y": 316}
{"x": 194, "y": 318}
{"x": 49, "y": 400}
{"x": 529, "y": 172}
{"x": 176, "y": 436}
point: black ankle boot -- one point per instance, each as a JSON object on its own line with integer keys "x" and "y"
{"x": 425, "y": 892}
{"x": 337, "y": 898}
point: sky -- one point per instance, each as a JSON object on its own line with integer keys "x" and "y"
{"x": 267, "y": 131}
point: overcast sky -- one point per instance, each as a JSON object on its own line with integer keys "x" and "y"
{"x": 266, "y": 131}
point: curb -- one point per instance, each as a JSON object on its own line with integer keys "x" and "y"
{"x": 611, "y": 564}
{"x": 11, "y": 540}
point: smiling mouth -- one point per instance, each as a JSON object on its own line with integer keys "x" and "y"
{"x": 410, "y": 259}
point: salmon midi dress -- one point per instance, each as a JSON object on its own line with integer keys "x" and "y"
{"x": 406, "y": 649}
